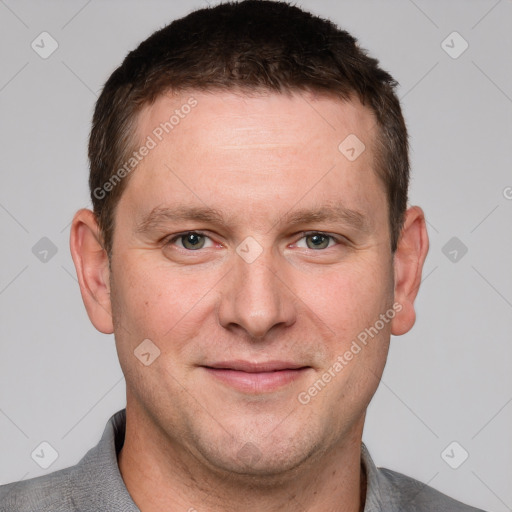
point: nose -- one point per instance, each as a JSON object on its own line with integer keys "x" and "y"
{"x": 256, "y": 298}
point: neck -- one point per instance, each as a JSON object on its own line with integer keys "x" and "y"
{"x": 160, "y": 475}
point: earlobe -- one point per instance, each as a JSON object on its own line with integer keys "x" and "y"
{"x": 408, "y": 264}
{"x": 92, "y": 268}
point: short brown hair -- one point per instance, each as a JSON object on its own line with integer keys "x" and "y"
{"x": 250, "y": 45}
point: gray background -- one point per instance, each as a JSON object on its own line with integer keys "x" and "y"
{"x": 448, "y": 380}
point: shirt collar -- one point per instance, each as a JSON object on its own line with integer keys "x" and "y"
{"x": 97, "y": 483}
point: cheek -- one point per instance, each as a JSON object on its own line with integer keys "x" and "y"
{"x": 351, "y": 297}
{"x": 150, "y": 301}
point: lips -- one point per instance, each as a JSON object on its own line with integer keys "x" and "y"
{"x": 248, "y": 367}
{"x": 251, "y": 377}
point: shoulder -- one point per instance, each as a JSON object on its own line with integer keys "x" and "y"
{"x": 95, "y": 483}
{"x": 410, "y": 495}
{"x": 395, "y": 492}
{"x": 45, "y": 493}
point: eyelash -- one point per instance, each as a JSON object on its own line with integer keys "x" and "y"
{"x": 304, "y": 234}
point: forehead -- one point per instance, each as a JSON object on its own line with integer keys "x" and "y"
{"x": 296, "y": 117}
{"x": 232, "y": 147}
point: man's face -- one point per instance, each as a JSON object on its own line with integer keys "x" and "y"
{"x": 252, "y": 252}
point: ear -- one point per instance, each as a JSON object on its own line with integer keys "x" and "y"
{"x": 408, "y": 264}
{"x": 92, "y": 268}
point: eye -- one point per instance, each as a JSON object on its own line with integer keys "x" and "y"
{"x": 316, "y": 241}
{"x": 191, "y": 241}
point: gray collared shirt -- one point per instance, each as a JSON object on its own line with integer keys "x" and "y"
{"x": 95, "y": 484}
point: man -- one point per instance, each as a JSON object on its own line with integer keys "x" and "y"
{"x": 252, "y": 250}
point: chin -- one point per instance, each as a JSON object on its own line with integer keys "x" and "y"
{"x": 269, "y": 470}
{"x": 269, "y": 457}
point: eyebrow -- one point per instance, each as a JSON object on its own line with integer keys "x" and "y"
{"x": 163, "y": 215}
{"x": 160, "y": 216}
{"x": 328, "y": 213}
